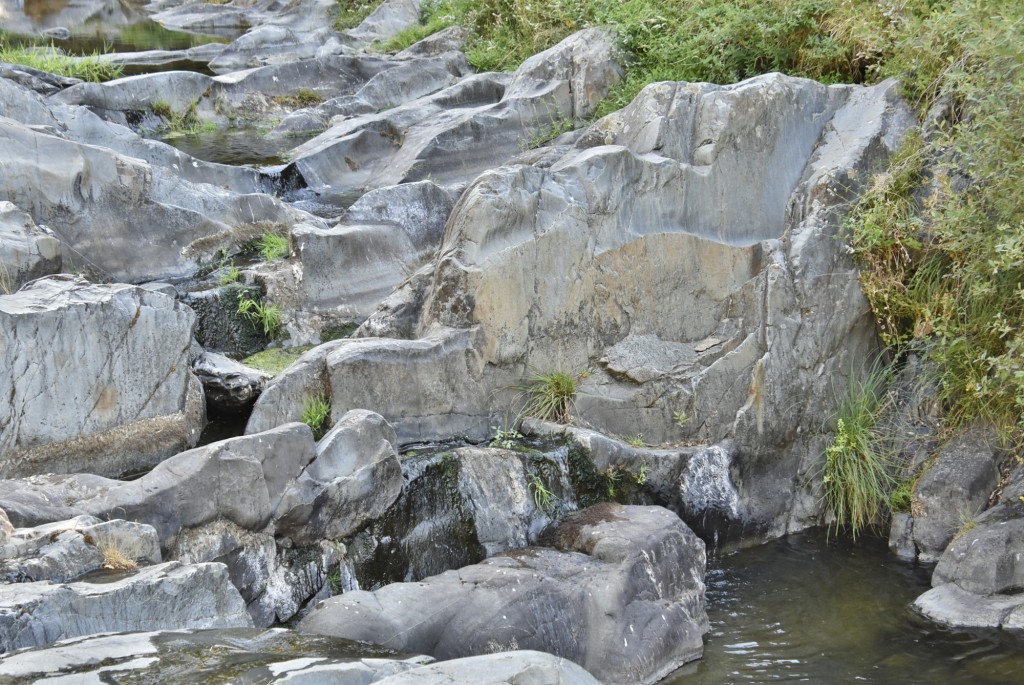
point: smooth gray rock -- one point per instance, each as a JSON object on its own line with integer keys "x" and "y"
{"x": 506, "y": 668}
{"x": 354, "y": 478}
{"x": 163, "y": 597}
{"x": 27, "y": 251}
{"x": 98, "y": 378}
{"x": 231, "y": 654}
{"x": 398, "y": 315}
{"x": 624, "y": 598}
{"x": 64, "y": 550}
{"x": 351, "y": 267}
{"x": 442, "y": 368}
{"x": 987, "y": 559}
{"x": 119, "y": 216}
{"x": 953, "y": 490}
{"x": 455, "y": 134}
{"x": 952, "y": 606}
{"x": 229, "y": 385}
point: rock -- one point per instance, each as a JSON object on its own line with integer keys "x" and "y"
{"x": 952, "y": 606}
{"x": 443, "y": 368}
{"x": 985, "y": 560}
{"x": 163, "y": 597}
{"x": 507, "y": 668}
{"x": 956, "y": 488}
{"x": 119, "y": 216}
{"x": 629, "y": 576}
{"x": 354, "y": 478}
{"x": 451, "y": 39}
{"x": 229, "y": 385}
{"x": 398, "y": 315}
{"x": 26, "y": 250}
{"x": 227, "y": 654}
{"x": 66, "y": 550}
{"x": 386, "y": 234}
{"x": 455, "y": 134}
{"x": 219, "y": 326}
{"x": 389, "y": 19}
{"x": 129, "y": 399}
{"x": 459, "y": 507}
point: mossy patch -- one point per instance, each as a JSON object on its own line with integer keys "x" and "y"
{"x": 276, "y": 360}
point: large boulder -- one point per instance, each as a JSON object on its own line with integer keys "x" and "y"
{"x": 622, "y": 594}
{"x": 353, "y": 479}
{"x": 163, "y": 597}
{"x": 27, "y": 251}
{"x": 98, "y": 378}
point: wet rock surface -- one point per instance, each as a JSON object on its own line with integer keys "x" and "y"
{"x": 621, "y": 593}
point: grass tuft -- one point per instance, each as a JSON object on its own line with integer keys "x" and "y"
{"x": 550, "y": 396}
{"x": 53, "y": 60}
{"x": 272, "y": 246}
{"x": 316, "y": 411}
{"x": 261, "y": 315}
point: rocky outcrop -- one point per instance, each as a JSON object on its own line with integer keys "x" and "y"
{"x": 66, "y": 550}
{"x": 163, "y": 597}
{"x": 950, "y": 495}
{"x": 979, "y": 577}
{"x": 507, "y": 668}
{"x": 98, "y": 379}
{"x": 621, "y": 595}
{"x": 27, "y": 251}
{"x": 229, "y": 385}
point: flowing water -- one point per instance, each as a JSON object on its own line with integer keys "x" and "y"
{"x": 803, "y": 609}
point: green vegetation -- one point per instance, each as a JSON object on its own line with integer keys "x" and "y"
{"x": 549, "y": 133}
{"x": 315, "y": 412}
{"x": 53, "y": 60}
{"x": 352, "y": 12}
{"x": 230, "y": 275}
{"x": 260, "y": 315}
{"x": 179, "y": 124}
{"x": 276, "y": 360}
{"x": 505, "y": 437}
{"x": 859, "y": 471}
{"x": 550, "y": 396}
{"x": 272, "y": 246}
{"x": 636, "y": 441}
{"x": 542, "y": 496}
{"x": 304, "y": 97}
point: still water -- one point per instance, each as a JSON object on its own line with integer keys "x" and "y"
{"x": 803, "y": 609}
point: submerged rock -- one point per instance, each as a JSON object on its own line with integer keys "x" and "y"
{"x": 622, "y": 594}
{"x": 98, "y": 378}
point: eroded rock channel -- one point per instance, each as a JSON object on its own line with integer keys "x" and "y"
{"x": 360, "y": 302}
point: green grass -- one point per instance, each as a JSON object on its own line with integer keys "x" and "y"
{"x": 54, "y": 61}
{"x": 315, "y": 412}
{"x": 350, "y": 13}
{"x": 550, "y": 396}
{"x": 272, "y": 246}
{"x": 859, "y": 472}
{"x": 261, "y": 315}
{"x": 186, "y": 123}
{"x": 230, "y": 275}
{"x": 276, "y": 360}
{"x": 542, "y": 496}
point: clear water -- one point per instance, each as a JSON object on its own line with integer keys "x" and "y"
{"x": 803, "y": 609}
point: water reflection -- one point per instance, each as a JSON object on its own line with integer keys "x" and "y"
{"x": 803, "y": 609}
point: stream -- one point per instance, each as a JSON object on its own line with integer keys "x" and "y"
{"x": 807, "y": 609}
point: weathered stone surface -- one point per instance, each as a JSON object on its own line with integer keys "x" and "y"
{"x": 954, "y": 489}
{"x": 99, "y": 378}
{"x": 389, "y": 19}
{"x": 354, "y": 478}
{"x": 455, "y": 134}
{"x": 117, "y": 215}
{"x": 26, "y": 250}
{"x": 65, "y": 550}
{"x": 398, "y": 315}
{"x": 952, "y": 606}
{"x": 380, "y": 375}
{"x": 987, "y": 559}
{"x": 507, "y": 668}
{"x": 232, "y": 654}
{"x": 162, "y": 597}
{"x": 351, "y": 267}
{"x": 229, "y": 385}
{"x": 623, "y": 598}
